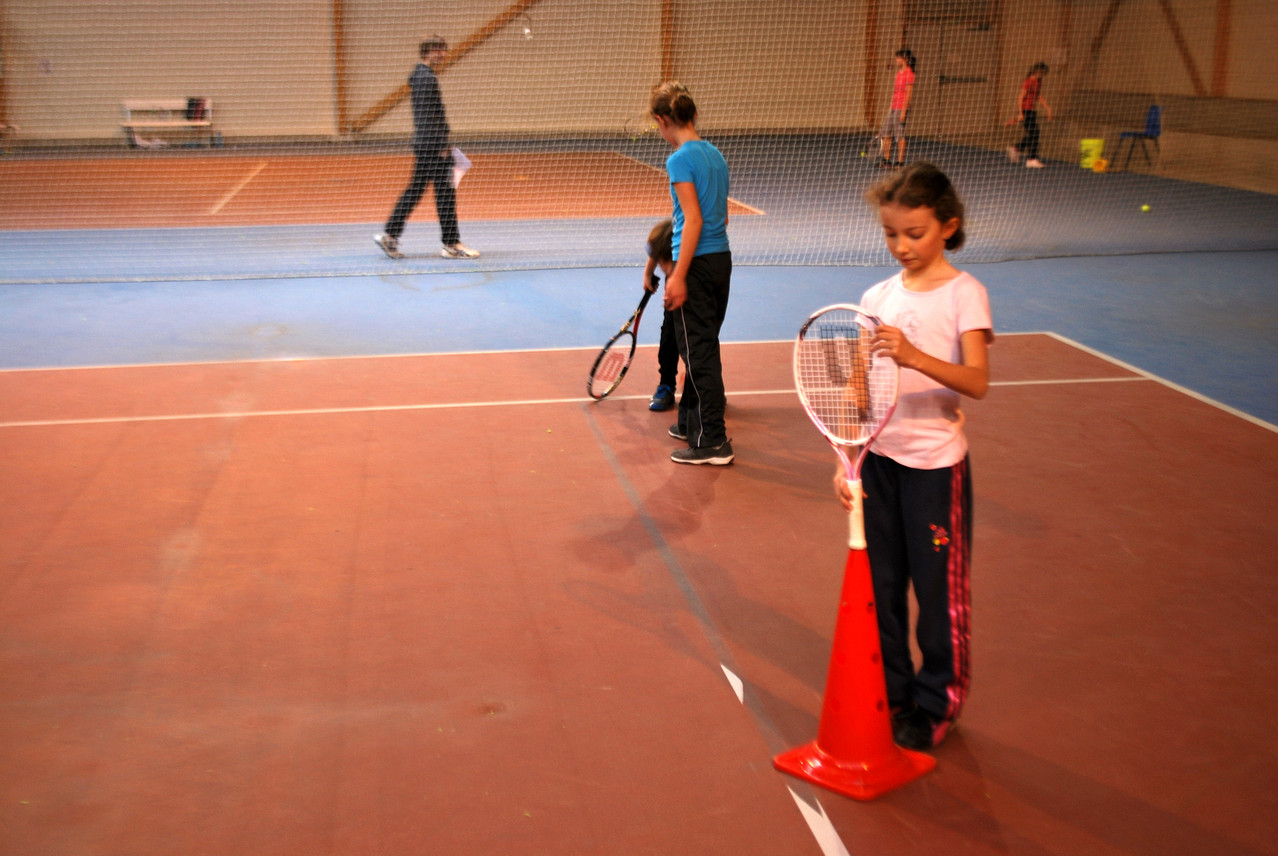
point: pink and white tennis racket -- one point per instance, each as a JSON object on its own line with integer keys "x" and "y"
{"x": 849, "y": 393}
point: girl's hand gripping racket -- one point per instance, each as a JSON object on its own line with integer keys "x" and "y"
{"x": 848, "y": 392}
{"x": 614, "y": 360}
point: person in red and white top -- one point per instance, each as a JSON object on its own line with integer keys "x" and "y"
{"x": 894, "y": 123}
{"x": 1027, "y": 101}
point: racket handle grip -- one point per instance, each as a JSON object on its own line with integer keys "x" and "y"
{"x": 856, "y": 518}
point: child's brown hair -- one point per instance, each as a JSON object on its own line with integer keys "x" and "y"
{"x": 922, "y": 185}
{"x": 672, "y": 100}
{"x": 660, "y": 240}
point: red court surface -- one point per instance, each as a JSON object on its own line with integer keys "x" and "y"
{"x": 444, "y": 604}
{"x": 167, "y": 191}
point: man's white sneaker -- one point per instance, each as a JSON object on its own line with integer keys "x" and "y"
{"x": 389, "y": 245}
{"x": 458, "y": 251}
{"x": 1034, "y": 163}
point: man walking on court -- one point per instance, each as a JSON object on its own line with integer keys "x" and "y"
{"x": 434, "y": 160}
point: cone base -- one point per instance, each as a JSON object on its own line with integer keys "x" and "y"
{"x": 858, "y": 781}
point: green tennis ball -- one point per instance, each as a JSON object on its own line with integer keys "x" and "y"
{"x": 1144, "y": 209}
{"x": 862, "y": 154}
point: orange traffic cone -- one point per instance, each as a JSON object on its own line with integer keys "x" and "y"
{"x": 854, "y": 754}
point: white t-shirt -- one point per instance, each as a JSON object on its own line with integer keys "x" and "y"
{"x": 926, "y": 431}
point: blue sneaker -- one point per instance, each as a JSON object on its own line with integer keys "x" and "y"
{"x": 662, "y": 399}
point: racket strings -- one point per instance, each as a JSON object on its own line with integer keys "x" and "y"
{"x": 610, "y": 368}
{"x": 611, "y": 365}
{"x": 848, "y": 389}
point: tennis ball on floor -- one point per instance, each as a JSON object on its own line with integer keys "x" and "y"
{"x": 1144, "y": 209}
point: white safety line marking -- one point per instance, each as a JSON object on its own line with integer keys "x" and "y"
{"x": 818, "y": 824}
{"x": 1246, "y": 417}
{"x": 456, "y": 405}
{"x": 309, "y": 411}
{"x": 1070, "y": 380}
{"x": 313, "y": 359}
{"x": 411, "y": 354}
{"x": 221, "y": 203}
{"x": 738, "y": 685}
{"x": 749, "y": 208}
{"x": 385, "y": 408}
{"x": 827, "y": 838}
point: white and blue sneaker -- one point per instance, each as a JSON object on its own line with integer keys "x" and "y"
{"x": 389, "y": 245}
{"x": 662, "y": 399}
{"x": 458, "y": 251}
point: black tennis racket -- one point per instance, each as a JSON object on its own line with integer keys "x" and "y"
{"x": 614, "y": 360}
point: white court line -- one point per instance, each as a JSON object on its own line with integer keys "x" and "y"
{"x": 1141, "y": 375}
{"x": 749, "y": 208}
{"x": 310, "y": 358}
{"x": 592, "y": 349}
{"x": 1246, "y": 417}
{"x": 812, "y": 811}
{"x": 221, "y": 203}
{"x": 457, "y": 405}
{"x": 822, "y": 829}
{"x": 1069, "y": 381}
{"x": 818, "y": 821}
{"x": 309, "y": 411}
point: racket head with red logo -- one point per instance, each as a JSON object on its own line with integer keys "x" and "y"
{"x": 613, "y": 362}
{"x": 848, "y": 391}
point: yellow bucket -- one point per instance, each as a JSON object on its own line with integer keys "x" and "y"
{"x": 1090, "y": 150}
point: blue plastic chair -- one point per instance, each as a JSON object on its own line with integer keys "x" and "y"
{"x": 1153, "y": 130}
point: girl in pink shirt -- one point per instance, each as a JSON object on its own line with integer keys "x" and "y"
{"x": 936, "y": 326}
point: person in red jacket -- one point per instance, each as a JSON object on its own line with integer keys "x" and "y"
{"x": 1027, "y": 101}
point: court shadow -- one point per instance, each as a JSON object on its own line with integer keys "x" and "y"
{"x": 1124, "y": 821}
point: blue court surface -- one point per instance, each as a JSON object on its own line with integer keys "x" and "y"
{"x": 1185, "y": 291}
{"x": 1205, "y": 321}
